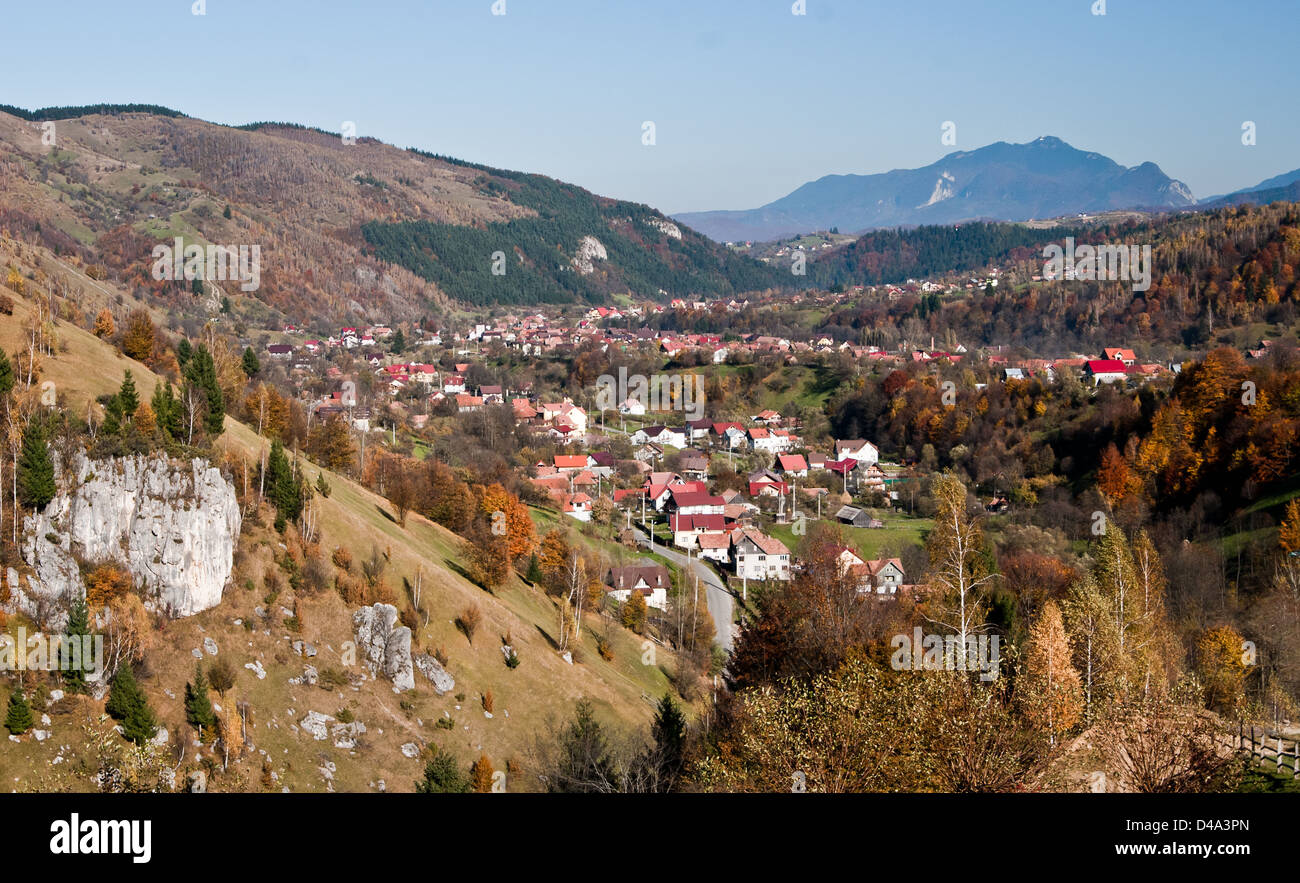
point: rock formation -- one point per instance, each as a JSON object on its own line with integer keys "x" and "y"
{"x": 172, "y": 525}
{"x": 383, "y": 647}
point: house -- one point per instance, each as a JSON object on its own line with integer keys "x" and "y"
{"x": 693, "y": 502}
{"x": 884, "y": 576}
{"x": 695, "y": 465}
{"x": 280, "y": 350}
{"x": 1127, "y": 357}
{"x": 1105, "y": 371}
{"x": 491, "y": 395}
{"x": 601, "y": 463}
{"x": 766, "y": 418}
{"x": 660, "y": 435}
{"x": 792, "y": 464}
{"x": 577, "y": 506}
{"x": 650, "y": 580}
{"x": 632, "y": 407}
{"x": 872, "y": 478}
{"x": 759, "y": 556}
{"x": 699, "y": 428}
{"x": 857, "y": 449}
{"x": 715, "y": 546}
{"x": 648, "y": 452}
{"x": 686, "y": 528}
{"x": 761, "y": 439}
{"x": 856, "y": 517}
{"x": 571, "y": 463}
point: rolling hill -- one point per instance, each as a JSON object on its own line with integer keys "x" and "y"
{"x": 344, "y": 229}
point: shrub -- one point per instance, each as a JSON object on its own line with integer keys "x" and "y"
{"x": 469, "y": 620}
{"x": 489, "y": 703}
{"x": 604, "y": 648}
{"x": 445, "y": 723}
{"x": 221, "y": 676}
{"x": 331, "y": 679}
{"x": 342, "y": 558}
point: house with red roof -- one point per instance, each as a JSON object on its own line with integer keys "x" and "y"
{"x": 1105, "y": 371}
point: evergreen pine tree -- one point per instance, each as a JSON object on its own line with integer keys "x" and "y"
{"x": 18, "y": 720}
{"x": 128, "y": 704}
{"x": 127, "y": 396}
{"x": 175, "y": 417}
{"x": 184, "y": 352}
{"x": 442, "y": 775}
{"x": 399, "y": 341}
{"x": 35, "y": 468}
{"x": 198, "y": 707}
{"x": 226, "y": 214}
{"x": 74, "y": 678}
{"x": 669, "y": 732}
{"x": 112, "y": 416}
{"x": 322, "y": 486}
{"x": 252, "y": 367}
{"x": 6, "y": 374}
{"x": 162, "y": 406}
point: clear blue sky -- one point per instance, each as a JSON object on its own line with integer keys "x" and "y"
{"x": 749, "y": 101}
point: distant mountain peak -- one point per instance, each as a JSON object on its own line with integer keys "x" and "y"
{"x": 1043, "y": 178}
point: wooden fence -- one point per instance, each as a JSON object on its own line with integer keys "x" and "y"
{"x": 1270, "y": 748}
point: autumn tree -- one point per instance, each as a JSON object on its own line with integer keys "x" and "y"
{"x": 1093, "y": 638}
{"x": 104, "y": 326}
{"x": 1221, "y": 663}
{"x": 1050, "y": 692}
{"x": 140, "y": 336}
{"x": 506, "y": 513}
{"x": 1288, "y": 537}
{"x": 330, "y": 442}
{"x": 959, "y": 573}
{"x": 481, "y": 773}
{"x": 633, "y": 612}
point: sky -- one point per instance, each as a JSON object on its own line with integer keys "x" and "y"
{"x": 748, "y": 99}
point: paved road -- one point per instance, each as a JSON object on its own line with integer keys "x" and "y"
{"x": 719, "y": 600}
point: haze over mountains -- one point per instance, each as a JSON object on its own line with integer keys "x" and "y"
{"x": 1044, "y": 178}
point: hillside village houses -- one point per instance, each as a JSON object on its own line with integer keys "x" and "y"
{"x": 723, "y": 529}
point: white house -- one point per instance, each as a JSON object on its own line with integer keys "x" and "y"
{"x": 858, "y": 449}
{"x": 759, "y": 556}
{"x": 650, "y": 580}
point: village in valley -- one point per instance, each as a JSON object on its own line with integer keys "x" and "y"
{"x": 728, "y": 491}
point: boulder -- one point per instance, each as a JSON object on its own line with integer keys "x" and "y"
{"x": 385, "y": 645}
{"x": 209, "y": 646}
{"x": 317, "y": 725}
{"x": 432, "y": 669}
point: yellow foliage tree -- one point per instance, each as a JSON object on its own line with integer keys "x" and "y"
{"x": 104, "y": 326}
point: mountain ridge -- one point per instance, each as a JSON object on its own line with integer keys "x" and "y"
{"x": 1001, "y": 181}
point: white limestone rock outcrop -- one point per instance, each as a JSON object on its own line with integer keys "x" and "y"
{"x": 590, "y": 250}
{"x": 432, "y": 669}
{"x": 384, "y": 647}
{"x": 173, "y": 525}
